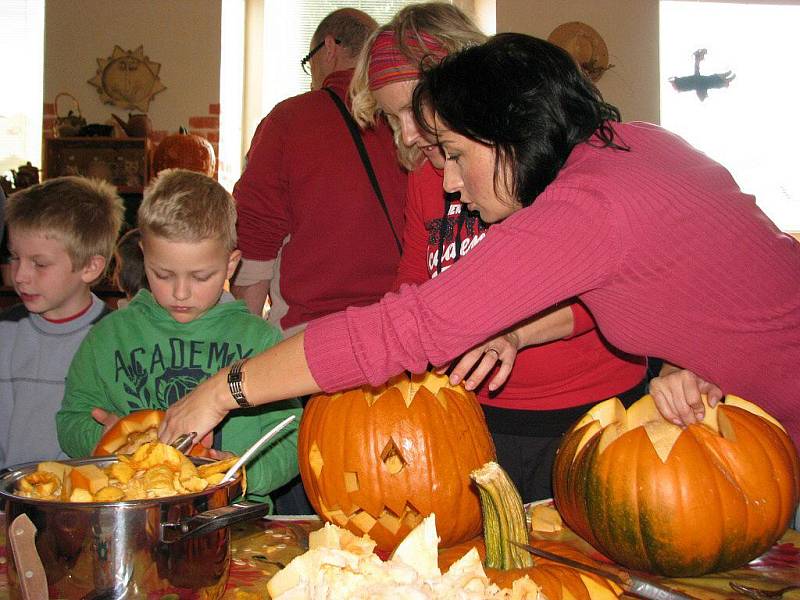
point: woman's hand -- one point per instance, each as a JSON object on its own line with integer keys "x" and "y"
{"x": 677, "y": 394}
{"x": 199, "y": 411}
{"x": 476, "y": 364}
{"x": 547, "y": 326}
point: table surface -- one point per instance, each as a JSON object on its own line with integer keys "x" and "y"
{"x": 259, "y": 547}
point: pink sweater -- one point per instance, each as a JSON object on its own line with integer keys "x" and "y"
{"x": 672, "y": 259}
{"x": 562, "y": 374}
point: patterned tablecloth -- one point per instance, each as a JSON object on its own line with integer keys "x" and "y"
{"x": 260, "y": 547}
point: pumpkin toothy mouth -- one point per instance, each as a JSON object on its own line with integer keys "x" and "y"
{"x": 394, "y": 462}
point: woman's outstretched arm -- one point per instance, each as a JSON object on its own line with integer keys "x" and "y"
{"x": 278, "y": 373}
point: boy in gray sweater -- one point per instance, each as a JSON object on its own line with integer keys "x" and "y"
{"x": 61, "y": 236}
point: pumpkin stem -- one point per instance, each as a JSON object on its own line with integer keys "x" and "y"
{"x": 503, "y": 518}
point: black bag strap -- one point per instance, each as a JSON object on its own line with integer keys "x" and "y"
{"x": 362, "y": 151}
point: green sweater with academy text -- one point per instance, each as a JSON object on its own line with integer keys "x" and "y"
{"x": 139, "y": 357}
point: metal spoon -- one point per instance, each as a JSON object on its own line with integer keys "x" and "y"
{"x": 251, "y": 450}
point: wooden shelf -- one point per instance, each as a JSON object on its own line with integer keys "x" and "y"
{"x": 125, "y": 162}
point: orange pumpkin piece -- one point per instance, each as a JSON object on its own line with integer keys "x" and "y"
{"x": 558, "y": 582}
{"x": 88, "y": 477}
{"x": 133, "y": 431}
{"x": 379, "y": 460}
{"x": 677, "y": 501}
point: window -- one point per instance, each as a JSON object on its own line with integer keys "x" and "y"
{"x": 288, "y": 27}
{"x": 262, "y": 44}
{"x": 750, "y": 126}
{"x": 21, "y": 60}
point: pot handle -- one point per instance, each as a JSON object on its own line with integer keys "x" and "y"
{"x": 212, "y": 520}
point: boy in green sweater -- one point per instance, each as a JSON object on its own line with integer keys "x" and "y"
{"x": 169, "y": 339}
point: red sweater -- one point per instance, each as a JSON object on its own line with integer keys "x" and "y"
{"x": 566, "y": 373}
{"x": 304, "y": 179}
{"x": 672, "y": 259}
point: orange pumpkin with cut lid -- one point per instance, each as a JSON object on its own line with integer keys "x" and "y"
{"x": 677, "y": 501}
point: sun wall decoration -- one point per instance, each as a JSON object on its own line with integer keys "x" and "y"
{"x": 127, "y": 79}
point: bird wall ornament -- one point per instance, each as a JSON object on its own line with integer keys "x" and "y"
{"x": 701, "y": 83}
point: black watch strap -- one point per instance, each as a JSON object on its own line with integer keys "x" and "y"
{"x": 235, "y": 383}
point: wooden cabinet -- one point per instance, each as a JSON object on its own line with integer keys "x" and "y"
{"x": 125, "y": 162}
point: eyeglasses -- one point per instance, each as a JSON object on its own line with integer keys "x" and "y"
{"x": 314, "y": 50}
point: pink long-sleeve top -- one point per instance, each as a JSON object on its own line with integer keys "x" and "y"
{"x": 668, "y": 254}
{"x": 562, "y": 374}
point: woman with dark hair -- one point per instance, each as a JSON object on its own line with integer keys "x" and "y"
{"x": 654, "y": 237}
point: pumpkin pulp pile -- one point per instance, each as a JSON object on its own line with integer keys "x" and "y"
{"x": 339, "y": 565}
{"x": 677, "y": 502}
{"x": 155, "y": 470}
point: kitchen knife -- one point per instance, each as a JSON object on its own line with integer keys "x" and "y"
{"x": 632, "y": 584}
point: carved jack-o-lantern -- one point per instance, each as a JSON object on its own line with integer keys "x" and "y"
{"x": 378, "y": 460}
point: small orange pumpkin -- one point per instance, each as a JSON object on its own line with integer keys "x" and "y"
{"x": 677, "y": 502}
{"x": 185, "y": 150}
{"x": 379, "y": 460}
{"x": 558, "y": 582}
{"x": 137, "y": 422}
{"x": 504, "y": 561}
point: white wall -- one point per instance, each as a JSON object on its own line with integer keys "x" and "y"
{"x": 630, "y": 30}
{"x": 182, "y": 35}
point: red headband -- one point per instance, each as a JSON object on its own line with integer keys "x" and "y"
{"x": 388, "y": 64}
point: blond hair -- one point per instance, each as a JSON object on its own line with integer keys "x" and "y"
{"x": 448, "y": 24}
{"x": 83, "y": 214}
{"x": 186, "y": 206}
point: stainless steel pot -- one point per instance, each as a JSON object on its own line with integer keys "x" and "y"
{"x": 129, "y": 550}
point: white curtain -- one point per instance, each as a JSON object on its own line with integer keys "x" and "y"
{"x": 21, "y": 62}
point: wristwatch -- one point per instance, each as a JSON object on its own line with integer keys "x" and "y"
{"x": 235, "y": 379}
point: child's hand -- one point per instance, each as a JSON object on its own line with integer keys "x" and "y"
{"x": 105, "y": 418}
{"x": 219, "y": 454}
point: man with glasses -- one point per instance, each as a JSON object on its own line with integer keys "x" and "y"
{"x": 305, "y": 195}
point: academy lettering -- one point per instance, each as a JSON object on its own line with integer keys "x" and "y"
{"x": 177, "y": 353}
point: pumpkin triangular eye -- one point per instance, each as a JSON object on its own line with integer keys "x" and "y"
{"x": 392, "y": 458}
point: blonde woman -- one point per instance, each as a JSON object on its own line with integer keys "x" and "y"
{"x": 529, "y": 408}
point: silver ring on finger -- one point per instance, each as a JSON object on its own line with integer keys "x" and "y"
{"x": 496, "y": 353}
